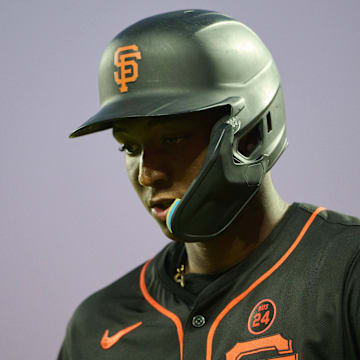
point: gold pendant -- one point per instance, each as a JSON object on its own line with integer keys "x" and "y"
{"x": 179, "y": 277}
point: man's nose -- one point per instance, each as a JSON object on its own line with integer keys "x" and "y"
{"x": 153, "y": 169}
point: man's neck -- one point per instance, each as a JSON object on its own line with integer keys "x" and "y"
{"x": 248, "y": 231}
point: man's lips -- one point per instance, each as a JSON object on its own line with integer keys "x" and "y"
{"x": 160, "y": 208}
{"x": 159, "y": 212}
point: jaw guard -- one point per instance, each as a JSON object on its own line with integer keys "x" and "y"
{"x": 227, "y": 180}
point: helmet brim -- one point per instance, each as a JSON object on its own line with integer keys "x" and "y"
{"x": 151, "y": 105}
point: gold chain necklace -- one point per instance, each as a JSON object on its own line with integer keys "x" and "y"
{"x": 179, "y": 277}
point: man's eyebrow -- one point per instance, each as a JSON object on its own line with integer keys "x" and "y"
{"x": 151, "y": 123}
{"x": 162, "y": 121}
{"x": 117, "y": 129}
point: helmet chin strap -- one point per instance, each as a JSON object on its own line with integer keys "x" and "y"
{"x": 221, "y": 190}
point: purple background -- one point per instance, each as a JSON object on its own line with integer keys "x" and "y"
{"x": 70, "y": 222}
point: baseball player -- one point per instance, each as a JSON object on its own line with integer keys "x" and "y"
{"x": 195, "y": 100}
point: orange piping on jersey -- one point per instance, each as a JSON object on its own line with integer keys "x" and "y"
{"x": 263, "y": 277}
{"x": 175, "y": 319}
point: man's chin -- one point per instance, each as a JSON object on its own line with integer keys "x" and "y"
{"x": 166, "y": 231}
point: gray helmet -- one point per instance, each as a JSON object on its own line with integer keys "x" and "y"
{"x": 191, "y": 60}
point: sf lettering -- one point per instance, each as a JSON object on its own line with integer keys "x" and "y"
{"x": 270, "y": 344}
{"x": 125, "y": 60}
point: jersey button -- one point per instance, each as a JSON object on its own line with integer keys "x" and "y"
{"x": 198, "y": 321}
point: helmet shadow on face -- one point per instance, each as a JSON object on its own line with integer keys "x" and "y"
{"x": 165, "y": 154}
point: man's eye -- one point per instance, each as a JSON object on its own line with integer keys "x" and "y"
{"x": 130, "y": 149}
{"x": 173, "y": 140}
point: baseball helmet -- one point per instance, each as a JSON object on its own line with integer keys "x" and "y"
{"x": 192, "y": 60}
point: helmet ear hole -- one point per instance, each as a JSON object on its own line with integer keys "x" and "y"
{"x": 248, "y": 143}
{"x": 268, "y": 122}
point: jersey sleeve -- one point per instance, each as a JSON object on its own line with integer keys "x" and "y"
{"x": 351, "y": 309}
{"x": 65, "y": 352}
{"x": 63, "y": 355}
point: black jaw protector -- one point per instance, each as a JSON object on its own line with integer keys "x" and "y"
{"x": 228, "y": 180}
{"x": 221, "y": 190}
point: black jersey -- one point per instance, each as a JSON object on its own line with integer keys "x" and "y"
{"x": 297, "y": 296}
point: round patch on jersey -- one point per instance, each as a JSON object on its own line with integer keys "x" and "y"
{"x": 262, "y": 316}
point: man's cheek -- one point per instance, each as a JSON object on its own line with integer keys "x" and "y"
{"x": 132, "y": 169}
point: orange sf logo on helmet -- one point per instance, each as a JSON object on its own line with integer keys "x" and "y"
{"x": 127, "y": 69}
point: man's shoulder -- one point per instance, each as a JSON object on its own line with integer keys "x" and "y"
{"x": 123, "y": 292}
{"x": 332, "y": 217}
{"x": 332, "y": 231}
{"x": 122, "y": 287}
{"x": 122, "y": 296}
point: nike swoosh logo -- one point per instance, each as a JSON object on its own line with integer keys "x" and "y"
{"x": 109, "y": 341}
